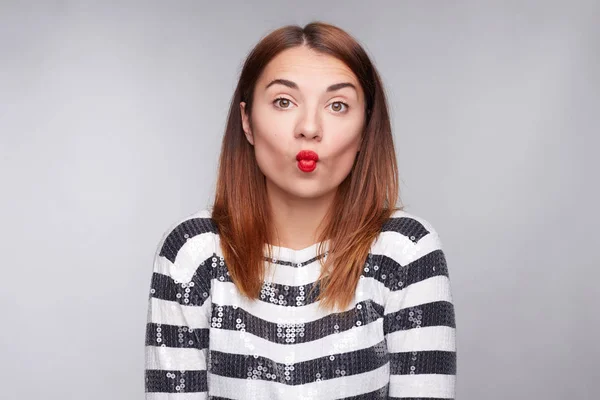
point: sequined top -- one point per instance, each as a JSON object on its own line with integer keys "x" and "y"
{"x": 204, "y": 340}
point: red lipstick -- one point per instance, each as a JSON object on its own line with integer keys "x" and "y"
{"x": 307, "y": 160}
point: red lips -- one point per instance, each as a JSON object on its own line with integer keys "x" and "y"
{"x": 307, "y": 160}
{"x": 307, "y": 155}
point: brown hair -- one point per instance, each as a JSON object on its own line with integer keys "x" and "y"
{"x": 363, "y": 202}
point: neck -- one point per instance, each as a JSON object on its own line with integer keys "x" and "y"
{"x": 297, "y": 222}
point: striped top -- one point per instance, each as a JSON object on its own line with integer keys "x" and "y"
{"x": 396, "y": 340}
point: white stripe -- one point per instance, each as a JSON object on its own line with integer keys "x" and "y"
{"x": 175, "y": 358}
{"x": 401, "y": 249}
{"x": 172, "y": 313}
{"x": 226, "y": 294}
{"x": 422, "y": 339}
{"x": 292, "y": 276}
{"x": 195, "y": 250}
{"x": 177, "y": 396}
{"x": 436, "y": 288}
{"x": 357, "y": 338}
{"x": 344, "y": 386}
{"x": 422, "y": 385}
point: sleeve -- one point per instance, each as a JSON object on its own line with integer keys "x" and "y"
{"x": 419, "y": 320}
{"x": 177, "y": 327}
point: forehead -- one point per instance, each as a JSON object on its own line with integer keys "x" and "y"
{"x": 308, "y": 67}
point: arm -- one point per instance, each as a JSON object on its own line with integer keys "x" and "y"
{"x": 419, "y": 322}
{"x": 177, "y": 328}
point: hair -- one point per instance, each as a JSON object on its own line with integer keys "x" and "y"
{"x": 363, "y": 202}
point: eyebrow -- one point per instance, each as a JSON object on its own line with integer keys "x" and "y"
{"x": 293, "y": 85}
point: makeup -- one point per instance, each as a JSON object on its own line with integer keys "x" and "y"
{"x": 307, "y": 160}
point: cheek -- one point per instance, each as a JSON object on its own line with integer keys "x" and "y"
{"x": 270, "y": 148}
{"x": 267, "y": 157}
{"x": 344, "y": 158}
{"x": 344, "y": 142}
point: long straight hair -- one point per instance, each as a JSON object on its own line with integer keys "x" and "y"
{"x": 363, "y": 202}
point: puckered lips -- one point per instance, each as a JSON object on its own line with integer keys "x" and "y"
{"x": 307, "y": 160}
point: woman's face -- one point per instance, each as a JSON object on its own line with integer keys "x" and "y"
{"x": 305, "y": 100}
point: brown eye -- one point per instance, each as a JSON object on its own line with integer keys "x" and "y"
{"x": 338, "y": 106}
{"x": 283, "y": 102}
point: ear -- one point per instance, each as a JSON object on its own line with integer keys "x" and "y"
{"x": 246, "y": 124}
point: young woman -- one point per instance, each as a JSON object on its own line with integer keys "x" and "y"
{"x": 303, "y": 280}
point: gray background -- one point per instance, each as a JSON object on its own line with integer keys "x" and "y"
{"x": 111, "y": 119}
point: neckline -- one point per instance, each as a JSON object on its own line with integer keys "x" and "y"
{"x": 281, "y": 253}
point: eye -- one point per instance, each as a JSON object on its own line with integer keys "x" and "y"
{"x": 338, "y": 106}
{"x": 283, "y": 103}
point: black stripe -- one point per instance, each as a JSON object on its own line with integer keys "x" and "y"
{"x": 295, "y": 264}
{"x": 323, "y": 368}
{"x": 158, "y": 381}
{"x": 275, "y": 293}
{"x": 437, "y": 313}
{"x": 423, "y": 362}
{"x": 379, "y": 267}
{"x": 176, "y": 336}
{"x": 390, "y": 273}
{"x": 409, "y": 227}
{"x": 238, "y": 319}
{"x": 182, "y": 232}
{"x": 396, "y": 277}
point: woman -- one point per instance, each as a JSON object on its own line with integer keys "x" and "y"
{"x": 303, "y": 280}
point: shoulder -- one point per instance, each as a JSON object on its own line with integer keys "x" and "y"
{"x": 185, "y": 243}
{"x": 406, "y": 237}
{"x": 408, "y": 225}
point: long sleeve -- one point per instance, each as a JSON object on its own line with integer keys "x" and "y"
{"x": 177, "y": 329}
{"x": 419, "y": 320}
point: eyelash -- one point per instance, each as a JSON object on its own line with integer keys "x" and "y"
{"x": 337, "y": 112}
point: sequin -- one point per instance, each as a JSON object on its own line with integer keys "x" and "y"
{"x": 286, "y": 301}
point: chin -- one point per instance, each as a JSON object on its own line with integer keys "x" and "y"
{"x": 307, "y": 191}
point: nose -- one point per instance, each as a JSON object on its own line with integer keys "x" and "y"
{"x": 309, "y": 124}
